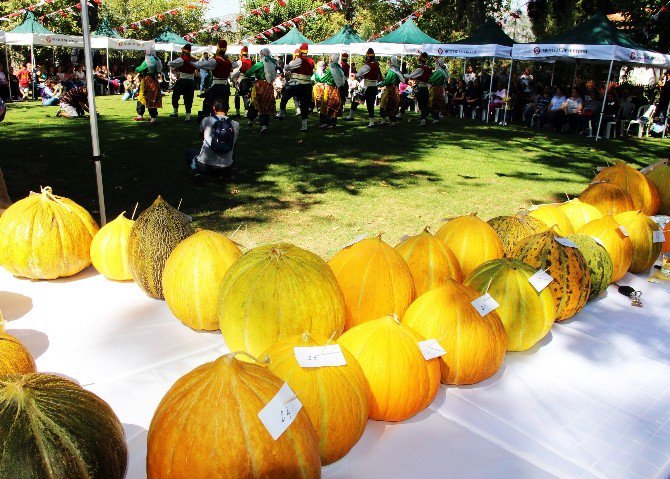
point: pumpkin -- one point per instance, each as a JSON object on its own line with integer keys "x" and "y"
{"x": 109, "y": 249}
{"x": 402, "y": 382}
{"x": 207, "y": 426}
{"x": 579, "y": 213}
{"x": 571, "y": 284}
{"x": 193, "y": 275}
{"x": 472, "y": 240}
{"x": 53, "y": 428}
{"x": 512, "y": 229}
{"x": 336, "y": 398}
{"x": 45, "y": 236}
{"x": 660, "y": 177}
{"x": 156, "y": 232}
{"x": 276, "y": 291}
{"x": 526, "y": 314}
{"x": 608, "y": 198}
{"x": 606, "y": 230}
{"x": 598, "y": 260}
{"x": 665, "y": 248}
{"x": 375, "y": 280}
{"x": 14, "y": 357}
{"x": 641, "y": 229}
{"x": 475, "y": 345}
{"x": 430, "y": 261}
{"x": 552, "y": 215}
{"x": 643, "y": 192}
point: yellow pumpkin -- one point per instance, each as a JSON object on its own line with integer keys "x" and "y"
{"x": 402, "y": 382}
{"x": 643, "y": 192}
{"x": 193, "y": 275}
{"x": 472, "y": 240}
{"x": 608, "y": 198}
{"x": 207, "y": 426}
{"x": 45, "y": 236}
{"x": 336, "y": 398}
{"x": 276, "y": 291}
{"x": 552, "y": 215}
{"x": 660, "y": 177}
{"x": 109, "y": 249}
{"x": 526, "y": 314}
{"x": 375, "y": 280}
{"x": 641, "y": 230}
{"x": 475, "y": 345}
{"x": 14, "y": 357}
{"x": 430, "y": 260}
{"x": 514, "y": 228}
{"x": 579, "y": 213}
{"x": 606, "y": 231}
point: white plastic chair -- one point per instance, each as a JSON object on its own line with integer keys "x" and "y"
{"x": 645, "y": 111}
{"x": 626, "y": 112}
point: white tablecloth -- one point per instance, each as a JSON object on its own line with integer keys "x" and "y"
{"x": 592, "y": 400}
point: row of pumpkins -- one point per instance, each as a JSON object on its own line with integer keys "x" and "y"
{"x": 377, "y": 302}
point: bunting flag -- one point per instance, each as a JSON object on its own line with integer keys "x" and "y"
{"x": 30, "y": 8}
{"x": 282, "y": 27}
{"x": 67, "y": 11}
{"x": 415, "y": 14}
{"x": 219, "y": 26}
{"x": 265, "y": 9}
{"x": 136, "y": 25}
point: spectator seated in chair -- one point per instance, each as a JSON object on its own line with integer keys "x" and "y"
{"x": 555, "y": 113}
{"x": 573, "y": 107}
{"x": 49, "y": 96}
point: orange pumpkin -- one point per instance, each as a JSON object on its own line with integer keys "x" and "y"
{"x": 607, "y": 232}
{"x": 579, "y": 213}
{"x": 666, "y": 244}
{"x": 14, "y": 356}
{"x": 514, "y": 228}
{"x": 641, "y": 230}
{"x": 608, "y": 198}
{"x": 660, "y": 176}
{"x": 552, "y": 215}
{"x": 644, "y": 193}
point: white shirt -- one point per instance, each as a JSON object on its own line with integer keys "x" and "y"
{"x": 209, "y": 156}
{"x": 3, "y": 78}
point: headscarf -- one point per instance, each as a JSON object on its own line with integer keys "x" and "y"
{"x": 269, "y": 65}
{"x": 394, "y": 68}
{"x": 336, "y": 70}
{"x": 320, "y": 67}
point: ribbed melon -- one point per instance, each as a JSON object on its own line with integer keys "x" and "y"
{"x": 641, "y": 229}
{"x": 553, "y": 216}
{"x": 599, "y": 262}
{"x": 430, "y": 260}
{"x": 472, "y": 240}
{"x": 643, "y": 192}
{"x": 607, "y": 197}
{"x": 14, "y": 357}
{"x": 572, "y": 284}
{"x": 660, "y": 177}
{"x": 512, "y": 229}
{"x": 526, "y": 314}
{"x": 606, "y": 230}
{"x": 53, "y": 428}
{"x": 109, "y": 249}
{"x": 666, "y": 244}
{"x": 579, "y": 213}
{"x": 156, "y": 232}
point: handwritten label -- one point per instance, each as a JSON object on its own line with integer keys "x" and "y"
{"x": 356, "y": 240}
{"x": 565, "y": 242}
{"x": 485, "y": 304}
{"x": 623, "y": 230}
{"x": 280, "y": 412}
{"x": 659, "y": 236}
{"x": 540, "y": 280}
{"x": 431, "y": 349}
{"x": 319, "y": 356}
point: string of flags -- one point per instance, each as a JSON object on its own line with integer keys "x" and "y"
{"x": 219, "y": 26}
{"x": 71, "y": 10}
{"x": 414, "y": 14}
{"x": 136, "y": 25}
{"x": 262, "y": 10}
{"x": 29, "y": 8}
{"x": 287, "y": 25}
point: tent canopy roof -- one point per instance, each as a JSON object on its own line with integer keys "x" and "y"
{"x": 30, "y": 25}
{"x": 168, "y": 36}
{"x": 346, "y": 36}
{"x": 597, "y": 30}
{"x": 292, "y": 37}
{"x": 407, "y": 33}
{"x": 488, "y": 34}
{"x": 105, "y": 30}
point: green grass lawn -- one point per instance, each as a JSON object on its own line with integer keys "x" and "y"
{"x": 318, "y": 190}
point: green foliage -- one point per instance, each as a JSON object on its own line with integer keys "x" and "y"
{"x": 69, "y": 25}
{"x": 647, "y": 22}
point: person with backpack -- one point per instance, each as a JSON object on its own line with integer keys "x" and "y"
{"x": 219, "y": 134}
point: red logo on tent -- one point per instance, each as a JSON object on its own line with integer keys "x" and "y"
{"x": 48, "y": 39}
{"x": 536, "y": 50}
{"x": 439, "y": 51}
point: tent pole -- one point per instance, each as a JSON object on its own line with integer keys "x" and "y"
{"x": 488, "y": 108}
{"x": 32, "y": 73}
{"x": 168, "y": 70}
{"x": 509, "y": 84}
{"x": 667, "y": 112}
{"x": 464, "y": 61}
{"x": 9, "y": 78}
{"x": 553, "y": 67}
{"x": 93, "y": 114}
{"x": 602, "y": 110}
{"x": 109, "y": 73}
{"x": 574, "y": 78}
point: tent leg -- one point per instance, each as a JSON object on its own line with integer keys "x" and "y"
{"x": 574, "y": 78}
{"x": 464, "y": 61}
{"x": 602, "y": 110}
{"x": 109, "y": 78}
{"x": 402, "y": 60}
{"x": 93, "y": 114}
{"x": 488, "y": 108}
{"x": 32, "y": 61}
{"x": 9, "y": 84}
{"x": 667, "y": 112}
{"x": 168, "y": 72}
{"x": 553, "y": 67}
{"x": 509, "y": 84}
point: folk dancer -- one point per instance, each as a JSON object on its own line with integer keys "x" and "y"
{"x": 438, "y": 81}
{"x": 185, "y": 85}
{"x": 149, "y": 96}
{"x": 242, "y": 84}
{"x": 422, "y": 75}
{"x": 289, "y": 91}
{"x": 302, "y": 69}
{"x": 221, "y": 67}
{"x": 262, "y": 102}
{"x": 333, "y": 79}
{"x": 319, "y": 85}
{"x": 390, "y": 102}
{"x": 371, "y": 74}
{"x": 344, "y": 89}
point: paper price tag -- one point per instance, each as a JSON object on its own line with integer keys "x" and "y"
{"x": 540, "y": 280}
{"x": 599, "y": 241}
{"x": 485, "y": 304}
{"x": 404, "y": 237}
{"x": 280, "y": 412}
{"x": 431, "y": 349}
{"x": 659, "y": 236}
{"x": 565, "y": 242}
{"x": 356, "y": 240}
{"x": 623, "y": 230}
{"x": 319, "y": 356}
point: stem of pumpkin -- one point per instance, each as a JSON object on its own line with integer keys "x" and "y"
{"x": 231, "y": 356}
{"x": 46, "y": 191}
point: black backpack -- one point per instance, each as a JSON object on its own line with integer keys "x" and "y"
{"x": 223, "y": 136}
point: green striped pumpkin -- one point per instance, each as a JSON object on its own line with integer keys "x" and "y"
{"x": 156, "y": 232}
{"x": 53, "y": 428}
{"x": 512, "y": 229}
{"x": 599, "y": 263}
